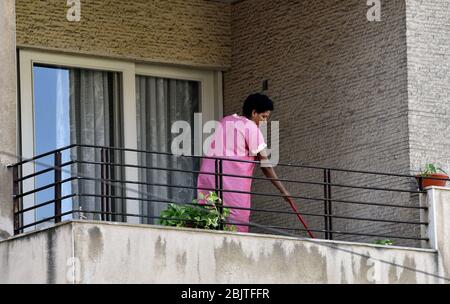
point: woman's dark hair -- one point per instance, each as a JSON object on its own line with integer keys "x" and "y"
{"x": 258, "y": 102}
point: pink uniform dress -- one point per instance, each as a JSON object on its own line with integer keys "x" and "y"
{"x": 235, "y": 138}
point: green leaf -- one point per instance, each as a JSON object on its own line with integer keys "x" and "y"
{"x": 429, "y": 169}
{"x": 384, "y": 242}
{"x": 204, "y": 216}
{"x": 441, "y": 170}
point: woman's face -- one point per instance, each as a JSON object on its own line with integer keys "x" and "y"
{"x": 258, "y": 117}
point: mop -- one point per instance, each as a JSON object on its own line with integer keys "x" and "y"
{"x": 299, "y": 217}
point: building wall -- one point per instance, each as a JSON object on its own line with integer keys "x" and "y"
{"x": 94, "y": 252}
{"x": 8, "y": 106}
{"x": 195, "y": 32}
{"x": 439, "y": 229}
{"x": 38, "y": 258}
{"x": 428, "y": 38}
{"x": 339, "y": 84}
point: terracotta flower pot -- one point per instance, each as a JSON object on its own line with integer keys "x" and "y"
{"x": 426, "y": 182}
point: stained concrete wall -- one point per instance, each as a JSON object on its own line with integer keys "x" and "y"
{"x": 8, "y": 110}
{"x": 194, "y": 32}
{"x": 43, "y": 257}
{"x": 93, "y": 252}
{"x": 437, "y": 200}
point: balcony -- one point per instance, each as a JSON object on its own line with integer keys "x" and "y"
{"x": 93, "y": 182}
{"x": 110, "y": 243}
{"x": 107, "y": 252}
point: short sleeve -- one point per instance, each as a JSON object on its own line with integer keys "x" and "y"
{"x": 255, "y": 140}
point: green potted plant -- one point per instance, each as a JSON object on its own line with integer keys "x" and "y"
{"x": 209, "y": 215}
{"x": 431, "y": 170}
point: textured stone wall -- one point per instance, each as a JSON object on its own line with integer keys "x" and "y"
{"x": 428, "y": 38}
{"x": 339, "y": 84}
{"x": 195, "y": 32}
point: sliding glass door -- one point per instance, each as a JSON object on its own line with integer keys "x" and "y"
{"x": 96, "y": 120}
{"x": 160, "y": 103}
{"x": 76, "y": 106}
{"x": 84, "y": 100}
{"x": 51, "y": 131}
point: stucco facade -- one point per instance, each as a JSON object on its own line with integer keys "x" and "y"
{"x": 195, "y": 33}
{"x": 348, "y": 93}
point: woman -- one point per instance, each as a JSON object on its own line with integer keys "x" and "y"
{"x": 239, "y": 139}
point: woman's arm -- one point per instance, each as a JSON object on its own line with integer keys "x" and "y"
{"x": 269, "y": 172}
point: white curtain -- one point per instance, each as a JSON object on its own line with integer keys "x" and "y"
{"x": 95, "y": 119}
{"x": 161, "y": 102}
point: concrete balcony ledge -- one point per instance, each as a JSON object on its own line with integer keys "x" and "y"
{"x": 437, "y": 188}
{"x": 99, "y": 252}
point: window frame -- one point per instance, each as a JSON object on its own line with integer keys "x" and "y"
{"x": 211, "y": 105}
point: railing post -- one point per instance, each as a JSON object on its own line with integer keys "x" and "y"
{"x": 325, "y": 202}
{"x": 102, "y": 183}
{"x": 420, "y": 183}
{"x": 330, "y": 211}
{"x": 218, "y": 187}
{"x": 16, "y": 200}
{"x": 58, "y": 187}
{"x": 108, "y": 184}
{"x": 221, "y": 224}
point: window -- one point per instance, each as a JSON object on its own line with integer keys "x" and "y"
{"x": 51, "y": 129}
{"x": 83, "y": 100}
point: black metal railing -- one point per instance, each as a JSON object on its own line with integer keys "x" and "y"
{"x": 114, "y": 189}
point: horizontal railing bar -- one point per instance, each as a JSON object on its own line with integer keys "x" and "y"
{"x": 200, "y": 172}
{"x": 45, "y": 171}
{"x": 373, "y": 220}
{"x": 220, "y": 158}
{"x": 346, "y": 170}
{"x": 192, "y": 204}
{"x": 45, "y": 203}
{"x": 376, "y": 204}
{"x": 265, "y": 226}
{"x": 249, "y": 177}
{"x": 246, "y": 192}
{"x": 248, "y": 161}
{"x": 42, "y": 155}
{"x": 45, "y": 220}
{"x": 374, "y": 188}
{"x": 256, "y": 209}
{"x": 342, "y": 232}
{"x": 166, "y": 153}
{"x": 159, "y": 217}
{"x": 45, "y": 187}
{"x": 134, "y": 215}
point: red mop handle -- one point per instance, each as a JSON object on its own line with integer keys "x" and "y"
{"x": 299, "y": 217}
